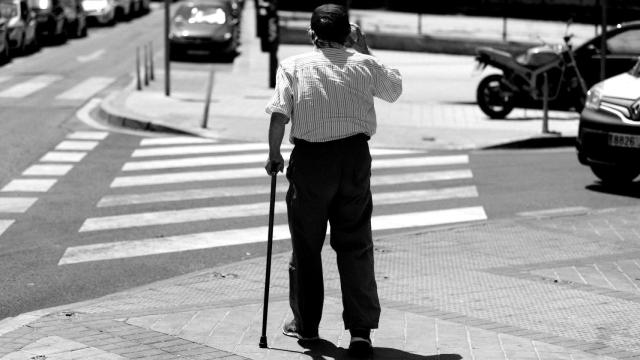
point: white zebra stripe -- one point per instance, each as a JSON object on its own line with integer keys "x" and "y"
{"x": 195, "y": 176}
{"x": 29, "y": 87}
{"x": 175, "y": 140}
{"x": 86, "y": 89}
{"x": 4, "y": 225}
{"x": 226, "y": 148}
{"x": 199, "y": 241}
{"x": 16, "y": 204}
{"x": 217, "y": 160}
{"x": 63, "y": 156}
{"x": 29, "y": 185}
{"x": 198, "y": 149}
{"x": 47, "y": 170}
{"x": 88, "y": 135}
{"x": 77, "y": 145}
{"x": 197, "y": 162}
{"x": 196, "y": 194}
{"x": 255, "y": 209}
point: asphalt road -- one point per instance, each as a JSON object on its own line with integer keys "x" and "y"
{"x": 184, "y": 205}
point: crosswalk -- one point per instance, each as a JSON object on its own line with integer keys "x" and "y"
{"x": 159, "y": 184}
{"x": 19, "y": 87}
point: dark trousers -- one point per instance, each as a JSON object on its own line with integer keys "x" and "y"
{"x": 330, "y": 182}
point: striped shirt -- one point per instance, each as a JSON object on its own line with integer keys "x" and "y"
{"x": 328, "y": 93}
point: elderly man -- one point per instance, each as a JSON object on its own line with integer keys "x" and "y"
{"x": 327, "y": 95}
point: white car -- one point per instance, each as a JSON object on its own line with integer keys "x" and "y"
{"x": 102, "y": 12}
{"x": 609, "y": 134}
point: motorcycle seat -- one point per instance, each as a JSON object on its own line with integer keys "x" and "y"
{"x": 501, "y": 58}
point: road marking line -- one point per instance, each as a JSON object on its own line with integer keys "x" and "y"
{"x": 226, "y": 148}
{"x": 86, "y": 89}
{"x": 185, "y": 177}
{"x": 576, "y": 210}
{"x": 77, "y": 145}
{"x": 4, "y": 225}
{"x": 176, "y": 140}
{"x": 199, "y": 241}
{"x": 207, "y": 193}
{"x": 63, "y": 156}
{"x": 88, "y": 135}
{"x": 197, "y": 162}
{"x": 47, "y": 170}
{"x": 198, "y": 149}
{"x": 29, "y": 87}
{"x": 255, "y": 209}
{"x": 91, "y": 57}
{"x": 212, "y": 161}
{"x": 414, "y": 177}
{"x": 173, "y": 178}
{"x": 29, "y": 185}
{"x": 16, "y": 204}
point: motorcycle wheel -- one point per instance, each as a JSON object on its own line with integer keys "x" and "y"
{"x": 492, "y": 99}
{"x": 614, "y": 175}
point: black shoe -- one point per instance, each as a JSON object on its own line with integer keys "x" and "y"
{"x": 360, "y": 345}
{"x": 290, "y": 329}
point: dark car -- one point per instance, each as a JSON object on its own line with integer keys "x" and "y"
{"x": 621, "y": 51}
{"x": 59, "y": 20}
{"x": 204, "y": 27}
{"x": 609, "y": 132}
{"x": 21, "y": 25}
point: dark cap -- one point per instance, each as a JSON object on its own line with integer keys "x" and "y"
{"x": 330, "y": 22}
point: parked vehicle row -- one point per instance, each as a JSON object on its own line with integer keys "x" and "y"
{"x": 25, "y": 25}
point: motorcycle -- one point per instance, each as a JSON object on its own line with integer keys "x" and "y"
{"x": 545, "y": 70}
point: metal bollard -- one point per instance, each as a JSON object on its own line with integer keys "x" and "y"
{"x": 545, "y": 104}
{"x": 146, "y": 66}
{"x": 138, "y": 82}
{"x": 151, "y": 72}
{"x": 207, "y": 100}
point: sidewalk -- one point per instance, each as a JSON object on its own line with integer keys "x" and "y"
{"x": 240, "y": 90}
{"x": 534, "y": 288}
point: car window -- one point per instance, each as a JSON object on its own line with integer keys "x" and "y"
{"x": 202, "y": 14}
{"x": 627, "y": 42}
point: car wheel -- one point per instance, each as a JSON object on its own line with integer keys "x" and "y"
{"x": 493, "y": 99}
{"x": 5, "y": 56}
{"x": 615, "y": 174}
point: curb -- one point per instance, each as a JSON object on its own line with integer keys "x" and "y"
{"x": 538, "y": 142}
{"x": 417, "y": 43}
{"x": 114, "y": 116}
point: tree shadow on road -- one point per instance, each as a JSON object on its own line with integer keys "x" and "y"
{"x": 323, "y": 349}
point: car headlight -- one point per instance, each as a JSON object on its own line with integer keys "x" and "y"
{"x": 227, "y": 36}
{"x": 594, "y": 98}
{"x": 44, "y": 4}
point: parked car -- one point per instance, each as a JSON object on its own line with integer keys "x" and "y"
{"x": 101, "y": 12}
{"x": 204, "y": 27}
{"x": 609, "y": 132}
{"x": 21, "y": 25}
{"x": 124, "y": 9}
{"x": 520, "y": 83}
{"x": 59, "y": 19}
{"x": 5, "y": 54}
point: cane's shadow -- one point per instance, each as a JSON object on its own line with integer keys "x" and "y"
{"x": 323, "y": 350}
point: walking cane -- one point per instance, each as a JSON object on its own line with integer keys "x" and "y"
{"x": 265, "y": 309}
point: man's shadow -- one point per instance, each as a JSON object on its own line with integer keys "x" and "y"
{"x": 323, "y": 349}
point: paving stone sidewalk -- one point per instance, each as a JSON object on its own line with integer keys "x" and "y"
{"x": 532, "y": 288}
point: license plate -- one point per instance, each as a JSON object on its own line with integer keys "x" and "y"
{"x": 622, "y": 140}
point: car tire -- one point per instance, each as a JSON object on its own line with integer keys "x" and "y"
{"x": 492, "y": 99}
{"x": 6, "y": 55}
{"x": 615, "y": 174}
